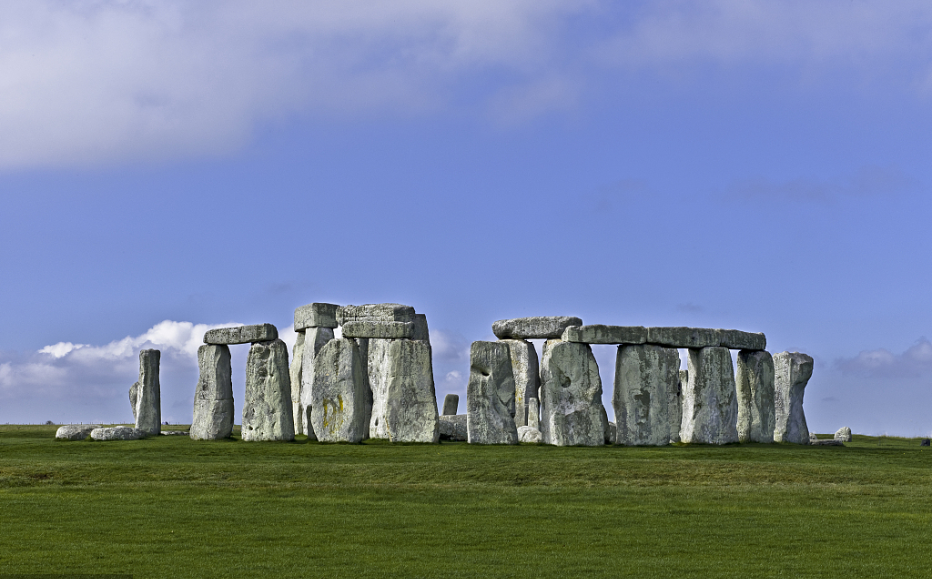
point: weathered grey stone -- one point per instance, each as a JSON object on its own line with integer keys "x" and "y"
{"x": 174, "y": 433}
{"x": 421, "y": 332}
{"x": 533, "y": 412}
{"x": 611, "y": 433}
{"x": 813, "y": 437}
{"x": 382, "y": 330}
{"x": 314, "y": 340}
{"x": 843, "y": 434}
{"x": 213, "y": 397}
{"x": 315, "y": 315}
{"x": 148, "y": 412}
{"x": 754, "y": 382}
{"x": 118, "y": 433}
{"x": 710, "y": 403}
{"x": 363, "y": 344}
{"x": 338, "y": 393}
{"x": 453, "y": 428}
{"x": 267, "y": 407}
{"x": 791, "y": 374}
{"x": 600, "y": 334}
{"x": 678, "y": 408}
{"x": 404, "y": 405}
{"x": 529, "y": 435}
{"x": 526, "y": 370}
{"x": 541, "y": 327}
{"x": 297, "y": 361}
{"x": 827, "y": 442}
{"x": 677, "y": 337}
{"x": 242, "y": 334}
{"x": 376, "y": 313}
{"x": 571, "y": 391}
{"x": 738, "y": 340}
{"x": 646, "y": 397}
{"x": 134, "y": 398}
{"x": 75, "y": 431}
{"x": 451, "y": 403}
{"x": 490, "y": 395}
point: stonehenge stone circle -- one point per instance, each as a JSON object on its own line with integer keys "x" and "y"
{"x": 843, "y": 434}
{"x": 213, "y": 397}
{"x": 241, "y": 335}
{"x": 315, "y": 315}
{"x": 404, "y": 404}
{"x": 451, "y": 403}
{"x": 600, "y": 334}
{"x": 754, "y": 382}
{"x": 646, "y": 397}
{"x": 147, "y": 410}
{"x": 545, "y": 327}
{"x": 710, "y": 402}
{"x": 571, "y": 396}
{"x": 526, "y": 370}
{"x": 118, "y": 433}
{"x": 376, "y": 313}
{"x": 297, "y": 361}
{"x": 267, "y": 407}
{"x": 453, "y": 428}
{"x": 339, "y": 392}
{"x": 490, "y": 395}
{"x": 529, "y": 435}
{"x": 75, "y": 431}
{"x": 383, "y": 330}
{"x": 791, "y": 374}
{"x": 314, "y": 340}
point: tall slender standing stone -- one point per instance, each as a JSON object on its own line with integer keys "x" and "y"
{"x": 710, "y": 403}
{"x": 571, "y": 392}
{"x": 533, "y": 413}
{"x": 314, "y": 340}
{"x": 404, "y": 405}
{"x": 148, "y": 403}
{"x": 791, "y": 375}
{"x": 338, "y": 395}
{"x": 646, "y": 397}
{"x": 297, "y": 362}
{"x": 754, "y": 380}
{"x": 363, "y": 344}
{"x": 451, "y": 403}
{"x": 526, "y": 369}
{"x": 213, "y": 398}
{"x": 267, "y": 408}
{"x": 490, "y": 395}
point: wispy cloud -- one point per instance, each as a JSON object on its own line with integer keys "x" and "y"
{"x": 882, "y": 363}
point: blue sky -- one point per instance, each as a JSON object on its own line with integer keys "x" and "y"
{"x": 166, "y": 167}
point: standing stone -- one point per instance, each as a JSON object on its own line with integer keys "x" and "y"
{"x": 148, "y": 412}
{"x": 267, "y": 409}
{"x": 843, "y": 434}
{"x": 754, "y": 380}
{"x": 526, "y": 370}
{"x": 297, "y": 361}
{"x": 540, "y": 327}
{"x": 314, "y": 340}
{"x": 213, "y": 398}
{"x": 676, "y": 410}
{"x": 133, "y": 397}
{"x": 338, "y": 395}
{"x": 490, "y": 395}
{"x": 710, "y": 403}
{"x": 646, "y": 397}
{"x": 791, "y": 374}
{"x": 404, "y": 405}
{"x": 451, "y": 404}
{"x": 533, "y": 413}
{"x": 571, "y": 391}
{"x": 363, "y": 345}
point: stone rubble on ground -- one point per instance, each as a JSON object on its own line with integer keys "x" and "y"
{"x": 75, "y": 431}
{"x": 529, "y": 435}
{"x": 453, "y": 427}
{"x": 118, "y": 433}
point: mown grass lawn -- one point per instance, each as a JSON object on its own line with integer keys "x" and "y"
{"x": 171, "y": 507}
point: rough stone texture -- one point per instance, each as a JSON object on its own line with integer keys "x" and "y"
{"x": 338, "y": 394}
{"x": 453, "y": 428}
{"x": 754, "y": 381}
{"x": 611, "y": 433}
{"x": 843, "y": 434}
{"x": 529, "y": 435}
{"x": 490, "y": 395}
{"x": 213, "y": 397}
{"x": 376, "y": 313}
{"x": 267, "y": 408}
{"x": 571, "y": 396}
{"x": 526, "y": 369}
{"x": 174, "y": 433}
{"x": 381, "y": 330}
{"x": 710, "y": 402}
{"x": 813, "y": 437}
{"x": 542, "y": 327}
{"x": 148, "y": 412}
{"x": 678, "y": 420}
{"x": 404, "y": 404}
{"x": 791, "y": 374}
{"x": 297, "y": 361}
{"x": 133, "y": 398}
{"x": 684, "y": 337}
{"x": 242, "y": 335}
{"x": 738, "y": 340}
{"x": 451, "y": 403}
{"x": 315, "y": 315}
{"x": 421, "y": 332}
{"x": 75, "y": 431}
{"x": 646, "y": 397}
{"x": 314, "y": 340}
{"x": 827, "y": 442}
{"x": 599, "y": 334}
{"x": 533, "y": 412}
{"x": 363, "y": 344}
{"x": 118, "y": 433}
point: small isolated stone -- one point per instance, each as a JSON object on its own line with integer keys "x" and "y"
{"x": 529, "y": 435}
{"x": 383, "y": 330}
{"x": 543, "y": 327}
{"x": 791, "y": 375}
{"x": 242, "y": 334}
{"x": 490, "y": 395}
{"x": 315, "y": 315}
{"x": 738, "y": 340}
{"x": 213, "y": 396}
{"x": 813, "y": 437}
{"x": 451, "y": 403}
{"x": 571, "y": 396}
{"x": 599, "y": 334}
{"x": 453, "y": 428}
{"x": 843, "y": 434}
{"x": 526, "y": 369}
{"x": 376, "y": 313}
{"x": 677, "y": 337}
{"x": 925, "y": 442}
{"x": 75, "y": 431}
{"x": 118, "y": 433}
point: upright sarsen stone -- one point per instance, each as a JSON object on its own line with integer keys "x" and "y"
{"x": 490, "y": 395}
{"x": 213, "y": 398}
{"x": 791, "y": 375}
{"x": 148, "y": 412}
{"x": 338, "y": 395}
{"x": 404, "y": 405}
{"x": 571, "y": 396}
{"x": 754, "y": 380}
{"x": 451, "y": 403}
{"x": 314, "y": 340}
{"x": 267, "y": 408}
{"x": 297, "y": 362}
{"x": 526, "y": 370}
{"x": 646, "y": 397}
{"x": 710, "y": 403}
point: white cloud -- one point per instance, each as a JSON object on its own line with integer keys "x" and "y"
{"x": 882, "y": 363}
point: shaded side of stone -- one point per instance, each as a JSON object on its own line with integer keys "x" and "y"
{"x": 316, "y": 315}
{"x": 541, "y": 327}
{"x": 453, "y": 428}
{"x": 647, "y": 384}
{"x": 791, "y": 375}
{"x": 571, "y": 396}
{"x": 526, "y": 369}
{"x": 213, "y": 396}
{"x": 338, "y": 395}
{"x": 267, "y": 407}
{"x": 738, "y": 340}
{"x": 381, "y": 330}
{"x": 148, "y": 399}
{"x": 490, "y": 395}
{"x": 679, "y": 337}
{"x": 451, "y": 404}
{"x": 241, "y": 334}
{"x": 421, "y": 331}
{"x": 297, "y": 361}
{"x": 755, "y": 389}
{"x": 710, "y": 401}
{"x": 601, "y": 334}
{"x": 314, "y": 340}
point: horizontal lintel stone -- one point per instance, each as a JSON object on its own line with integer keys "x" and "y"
{"x": 601, "y": 334}
{"x": 242, "y": 334}
{"x": 385, "y": 330}
{"x": 316, "y": 315}
{"x": 738, "y": 340}
{"x": 376, "y": 313}
{"x": 534, "y": 328}
{"x": 677, "y": 337}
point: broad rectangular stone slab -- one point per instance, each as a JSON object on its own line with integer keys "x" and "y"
{"x": 571, "y": 396}
{"x": 316, "y": 315}
{"x": 710, "y": 402}
{"x": 490, "y": 395}
{"x": 314, "y": 340}
{"x": 242, "y": 334}
{"x": 738, "y": 340}
{"x": 601, "y": 334}
{"x": 376, "y": 313}
{"x": 339, "y": 392}
{"x": 678, "y": 337}
{"x": 383, "y": 330}
{"x": 754, "y": 380}
{"x": 526, "y": 369}
{"x": 542, "y": 327}
{"x": 213, "y": 397}
{"x": 267, "y": 408}
{"x": 404, "y": 404}
{"x": 646, "y": 398}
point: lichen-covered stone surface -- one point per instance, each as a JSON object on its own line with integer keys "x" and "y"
{"x": 118, "y": 433}
{"x": 490, "y": 395}
{"x": 297, "y": 362}
{"x": 213, "y": 396}
{"x": 710, "y": 401}
{"x": 533, "y": 412}
{"x": 843, "y": 434}
{"x": 451, "y": 404}
{"x": 453, "y": 428}
{"x": 75, "y": 431}
{"x": 148, "y": 412}
{"x": 754, "y": 381}
{"x": 133, "y": 398}
{"x": 526, "y": 369}
{"x": 404, "y": 404}
{"x": 267, "y": 407}
{"x": 241, "y": 335}
{"x": 541, "y": 327}
{"x": 314, "y": 340}
{"x": 529, "y": 435}
{"x": 646, "y": 397}
{"x": 571, "y": 396}
{"x": 383, "y": 330}
{"x": 339, "y": 391}
{"x": 316, "y": 315}
{"x": 601, "y": 334}
{"x": 376, "y": 313}
{"x": 679, "y": 337}
{"x": 791, "y": 375}
{"x": 738, "y": 340}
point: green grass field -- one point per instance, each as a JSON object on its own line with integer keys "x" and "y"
{"x": 171, "y": 507}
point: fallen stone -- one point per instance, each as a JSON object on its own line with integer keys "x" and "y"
{"x": 827, "y": 442}
{"x": 529, "y": 435}
{"x": 791, "y": 374}
{"x": 925, "y": 442}
{"x": 684, "y": 337}
{"x": 533, "y": 413}
{"x": 376, "y": 313}
{"x": 118, "y": 433}
{"x": 710, "y": 402}
{"x": 813, "y": 437}
{"x": 267, "y": 407}
{"x": 542, "y": 327}
{"x": 148, "y": 410}
{"x": 738, "y": 340}
{"x": 404, "y": 404}
{"x": 490, "y": 395}
{"x": 453, "y": 428}
{"x": 338, "y": 394}
{"x": 451, "y": 403}
{"x": 571, "y": 392}
{"x": 314, "y": 340}
{"x": 174, "y": 433}
{"x": 599, "y": 334}
{"x": 421, "y": 332}
{"x": 75, "y": 431}
{"x": 213, "y": 396}
{"x": 315, "y": 315}
{"x": 843, "y": 434}
{"x": 754, "y": 383}
{"x": 380, "y": 330}
{"x": 646, "y": 397}
{"x": 526, "y": 370}
{"x": 297, "y": 362}
{"x": 241, "y": 335}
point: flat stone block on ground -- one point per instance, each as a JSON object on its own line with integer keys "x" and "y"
{"x": 241, "y": 335}
{"x": 738, "y": 340}
{"x": 678, "y": 337}
{"x": 75, "y": 431}
{"x": 646, "y": 397}
{"x": 316, "y": 315}
{"x": 382, "y": 330}
{"x": 490, "y": 395}
{"x": 453, "y": 428}
{"x": 601, "y": 334}
{"x": 710, "y": 401}
{"x": 791, "y": 375}
{"x": 213, "y": 396}
{"x": 267, "y": 407}
{"x": 118, "y": 433}
{"x": 571, "y": 396}
{"x": 754, "y": 382}
{"x": 541, "y": 327}
{"x": 376, "y": 313}
{"x": 339, "y": 392}
{"x": 529, "y": 435}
